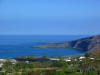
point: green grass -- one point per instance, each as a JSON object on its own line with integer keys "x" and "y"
{"x": 75, "y": 73}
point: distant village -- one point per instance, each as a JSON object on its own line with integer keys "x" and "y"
{"x": 40, "y": 59}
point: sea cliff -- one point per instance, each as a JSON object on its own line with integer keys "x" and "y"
{"x": 88, "y": 43}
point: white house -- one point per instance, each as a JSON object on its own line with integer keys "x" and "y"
{"x": 1, "y": 64}
{"x": 75, "y": 59}
{"x": 3, "y": 60}
{"x": 92, "y": 58}
{"x": 80, "y": 60}
{"x": 54, "y": 59}
{"x": 67, "y": 60}
{"x": 82, "y": 57}
{"x": 27, "y": 61}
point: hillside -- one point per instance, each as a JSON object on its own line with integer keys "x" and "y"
{"x": 89, "y": 43}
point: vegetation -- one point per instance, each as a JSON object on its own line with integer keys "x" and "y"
{"x": 85, "y": 67}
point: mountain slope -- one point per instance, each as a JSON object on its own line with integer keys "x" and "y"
{"x": 89, "y": 43}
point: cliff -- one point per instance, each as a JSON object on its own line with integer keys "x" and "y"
{"x": 89, "y": 43}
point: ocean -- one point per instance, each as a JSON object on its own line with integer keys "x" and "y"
{"x": 20, "y": 45}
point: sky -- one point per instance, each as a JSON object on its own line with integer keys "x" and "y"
{"x": 49, "y": 17}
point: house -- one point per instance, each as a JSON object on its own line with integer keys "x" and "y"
{"x": 27, "y": 61}
{"x": 82, "y": 57}
{"x": 80, "y": 60}
{"x": 13, "y": 61}
{"x": 92, "y": 58}
{"x": 3, "y": 60}
{"x": 67, "y": 60}
{"x": 1, "y": 64}
{"x": 54, "y": 59}
{"x": 75, "y": 59}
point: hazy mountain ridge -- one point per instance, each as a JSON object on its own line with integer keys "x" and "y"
{"x": 89, "y": 43}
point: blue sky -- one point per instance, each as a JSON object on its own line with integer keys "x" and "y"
{"x": 49, "y": 17}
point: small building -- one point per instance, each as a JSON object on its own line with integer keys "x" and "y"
{"x": 54, "y": 59}
{"x": 13, "y": 61}
{"x": 80, "y": 60}
{"x": 75, "y": 59}
{"x": 3, "y": 60}
{"x": 67, "y": 60}
{"x": 27, "y": 61}
{"x": 92, "y": 58}
{"x": 82, "y": 57}
{"x": 1, "y": 64}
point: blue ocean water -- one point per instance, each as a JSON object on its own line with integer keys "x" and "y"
{"x": 20, "y": 45}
